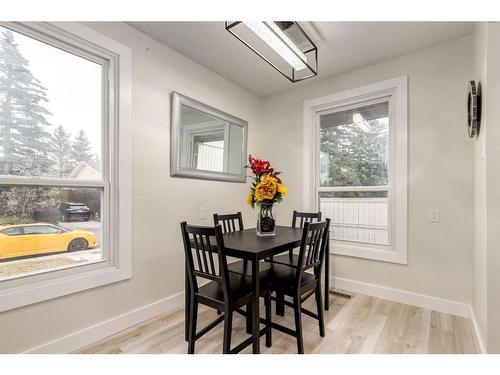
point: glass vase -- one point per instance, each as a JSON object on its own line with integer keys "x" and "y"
{"x": 266, "y": 223}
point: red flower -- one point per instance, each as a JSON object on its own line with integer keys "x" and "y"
{"x": 259, "y": 166}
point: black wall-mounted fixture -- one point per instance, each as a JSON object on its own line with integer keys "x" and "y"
{"x": 473, "y": 109}
{"x": 282, "y": 44}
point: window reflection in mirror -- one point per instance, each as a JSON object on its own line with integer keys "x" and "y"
{"x": 209, "y": 143}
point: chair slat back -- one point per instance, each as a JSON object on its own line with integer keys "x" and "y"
{"x": 312, "y": 248}
{"x": 229, "y": 222}
{"x": 305, "y": 217}
{"x": 205, "y": 256}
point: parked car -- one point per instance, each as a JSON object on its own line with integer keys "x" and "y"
{"x": 71, "y": 211}
{"x": 40, "y": 238}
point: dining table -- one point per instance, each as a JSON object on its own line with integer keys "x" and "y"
{"x": 247, "y": 245}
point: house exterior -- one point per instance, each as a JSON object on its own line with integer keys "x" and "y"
{"x": 84, "y": 171}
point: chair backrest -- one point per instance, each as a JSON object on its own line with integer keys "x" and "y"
{"x": 305, "y": 217}
{"x": 228, "y": 222}
{"x": 312, "y": 248}
{"x": 205, "y": 256}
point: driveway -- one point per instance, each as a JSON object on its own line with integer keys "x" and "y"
{"x": 30, "y": 266}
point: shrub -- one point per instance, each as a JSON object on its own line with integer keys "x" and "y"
{"x": 48, "y": 215}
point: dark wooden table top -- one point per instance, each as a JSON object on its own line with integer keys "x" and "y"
{"x": 246, "y": 243}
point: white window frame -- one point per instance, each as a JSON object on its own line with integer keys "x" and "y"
{"x": 116, "y": 139}
{"x": 396, "y": 90}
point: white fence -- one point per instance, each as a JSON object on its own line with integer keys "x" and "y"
{"x": 358, "y": 219}
{"x": 210, "y": 157}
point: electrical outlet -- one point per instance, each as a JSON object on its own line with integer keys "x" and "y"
{"x": 203, "y": 213}
{"x": 434, "y": 215}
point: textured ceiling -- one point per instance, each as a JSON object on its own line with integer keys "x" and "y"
{"x": 342, "y": 47}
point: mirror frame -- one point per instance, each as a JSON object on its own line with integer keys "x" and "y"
{"x": 178, "y": 100}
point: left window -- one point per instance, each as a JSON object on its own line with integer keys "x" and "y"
{"x": 50, "y": 128}
{"x": 59, "y": 116}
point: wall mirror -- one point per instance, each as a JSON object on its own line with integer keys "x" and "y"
{"x": 206, "y": 143}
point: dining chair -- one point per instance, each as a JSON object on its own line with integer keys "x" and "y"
{"x": 289, "y": 258}
{"x": 305, "y": 217}
{"x": 225, "y": 291}
{"x": 298, "y": 221}
{"x": 232, "y": 223}
{"x": 228, "y": 222}
{"x": 296, "y": 282}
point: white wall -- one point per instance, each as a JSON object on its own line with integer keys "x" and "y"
{"x": 492, "y": 113}
{"x": 479, "y": 302}
{"x": 159, "y": 201}
{"x": 440, "y": 168}
{"x": 486, "y": 302}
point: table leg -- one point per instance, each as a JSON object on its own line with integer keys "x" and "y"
{"x": 187, "y": 302}
{"x": 255, "y": 307}
{"x": 327, "y": 273}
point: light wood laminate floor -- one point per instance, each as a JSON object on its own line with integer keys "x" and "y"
{"x": 362, "y": 324}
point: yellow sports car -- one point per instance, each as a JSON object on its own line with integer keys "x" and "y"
{"x": 40, "y": 238}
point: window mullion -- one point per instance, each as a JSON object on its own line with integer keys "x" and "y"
{"x": 14, "y": 180}
{"x": 353, "y": 188}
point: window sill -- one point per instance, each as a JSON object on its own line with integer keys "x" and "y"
{"x": 29, "y": 293}
{"x": 385, "y": 254}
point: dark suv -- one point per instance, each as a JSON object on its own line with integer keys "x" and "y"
{"x": 74, "y": 211}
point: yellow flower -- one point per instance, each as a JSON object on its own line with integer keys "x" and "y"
{"x": 249, "y": 199}
{"x": 282, "y": 189}
{"x": 266, "y": 188}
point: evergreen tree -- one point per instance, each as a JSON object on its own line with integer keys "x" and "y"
{"x": 352, "y": 157}
{"x": 81, "y": 149}
{"x": 24, "y": 139}
{"x": 61, "y": 152}
{"x": 97, "y": 162}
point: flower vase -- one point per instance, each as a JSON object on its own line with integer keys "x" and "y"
{"x": 266, "y": 223}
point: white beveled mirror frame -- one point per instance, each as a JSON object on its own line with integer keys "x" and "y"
{"x": 176, "y": 170}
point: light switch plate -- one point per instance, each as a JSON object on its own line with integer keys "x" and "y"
{"x": 435, "y": 215}
{"x": 203, "y": 213}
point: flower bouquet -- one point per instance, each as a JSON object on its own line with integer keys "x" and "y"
{"x": 266, "y": 190}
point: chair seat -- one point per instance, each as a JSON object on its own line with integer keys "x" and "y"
{"x": 245, "y": 267}
{"x": 283, "y": 279}
{"x": 240, "y": 286}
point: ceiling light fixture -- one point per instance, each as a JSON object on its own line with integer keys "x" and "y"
{"x": 291, "y": 52}
{"x": 360, "y": 121}
{"x": 277, "y": 40}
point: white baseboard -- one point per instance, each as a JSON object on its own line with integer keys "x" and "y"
{"x": 477, "y": 331}
{"x": 86, "y": 336}
{"x": 403, "y": 296}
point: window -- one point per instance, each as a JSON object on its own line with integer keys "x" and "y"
{"x": 354, "y": 157}
{"x": 210, "y": 155}
{"x": 64, "y": 91}
{"x": 12, "y": 231}
{"x": 51, "y": 126}
{"x": 41, "y": 229}
{"x": 358, "y": 149}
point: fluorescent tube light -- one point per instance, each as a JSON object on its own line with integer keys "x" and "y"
{"x": 275, "y": 38}
{"x": 360, "y": 121}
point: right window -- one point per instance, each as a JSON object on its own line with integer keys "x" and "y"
{"x": 354, "y": 172}
{"x": 358, "y": 146}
